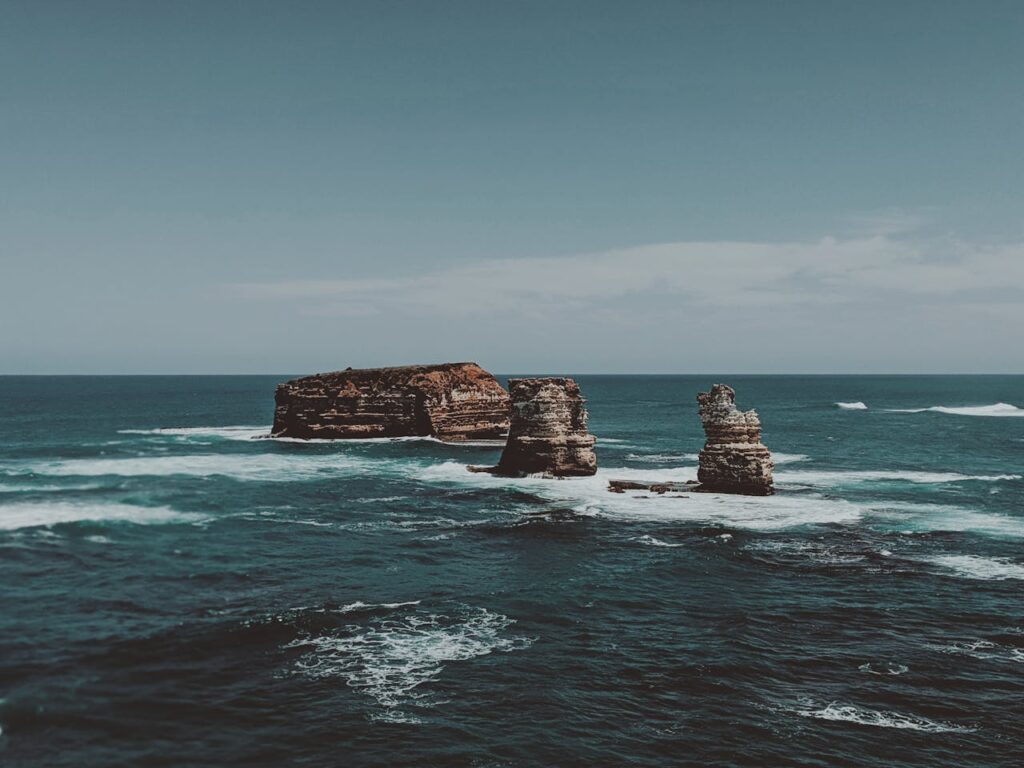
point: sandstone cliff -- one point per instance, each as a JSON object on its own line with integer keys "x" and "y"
{"x": 548, "y": 433}
{"x": 733, "y": 459}
{"x": 451, "y": 401}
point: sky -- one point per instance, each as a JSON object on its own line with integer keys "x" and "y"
{"x": 542, "y": 187}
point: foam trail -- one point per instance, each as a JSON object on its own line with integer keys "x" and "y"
{"x": 836, "y": 712}
{"x": 941, "y": 517}
{"x": 32, "y": 515}
{"x": 390, "y": 659}
{"x": 840, "y": 477}
{"x": 976, "y": 567}
{"x": 246, "y": 432}
{"x": 590, "y": 495}
{"x": 777, "y": 457}
{"x": 258, "y": 467}
{"x": 996, "y": 409}
{"x": 857, "y": 406}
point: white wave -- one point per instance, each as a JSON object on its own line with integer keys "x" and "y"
{"x": 885, "y": 668}
{"x": 390, "y": 659}
{"x": 660, "y": 458}
{"x": 31, "y": 515}
{"x": 813, "y": 551}
{"x": 788, "y": 458}
{"x": 996, "y": 409}
{"x": 977, "y": 567}
{"x": 912, "y": 518}
{"x": 359, "y": 605}
{"x": 826, "y": 478}
{"x": 857, "y": 406}
{"x": 590, "y": 495}
{"x": 983, "y": 650}
{"x": 248, "y": 432}
{"x": 6, "y": 487}
{"x": 836, "y": 712}
{"x": 882, "y": 719}
{"x": 651, "y": 541}
{"x": 244, "y": 432}
{"x": 243, "y": 466}
{"x": 777, "y": 458}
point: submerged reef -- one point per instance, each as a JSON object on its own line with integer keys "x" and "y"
{"x": 733, "y": 459}
{"x": 449, "y": 401}
{"x": 548, "y": 433}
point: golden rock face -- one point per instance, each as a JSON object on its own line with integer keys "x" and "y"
{"x": 450, "y": 401}
{"x": 548, "y": 432}
{"x": 733, "y": 459}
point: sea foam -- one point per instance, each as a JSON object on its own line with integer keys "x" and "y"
{"x": 827, "y": 478}
{"x": 390, "y": 658}
{"x": 977, "y": 567}
{"x": 243, "y": 466}
{"x": 996, "y": 409}
{"x": 31, "y": 515}
{"x": 840, "y": 713}
{"x": 590, "y": 495}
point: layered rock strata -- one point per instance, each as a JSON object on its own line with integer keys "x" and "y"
{"x": 548, "y": 433}
{"x": 451, "y": 401}
{"x": 733, "y": 459}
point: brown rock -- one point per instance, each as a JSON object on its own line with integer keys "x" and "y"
{"x": 451, "y": 401}
{"x": 548, "y": 433}
{"x": 733, "y": 459}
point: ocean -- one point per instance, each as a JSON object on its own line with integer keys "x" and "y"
{"x": 179, "y": 590}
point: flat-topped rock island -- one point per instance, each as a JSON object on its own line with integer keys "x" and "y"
{"x": 449, "y": 401}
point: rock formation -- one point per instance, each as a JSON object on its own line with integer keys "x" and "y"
{"x": 451, "y": 401}
{"x": 733, "y": 459}
{"x": 548, "y": 434}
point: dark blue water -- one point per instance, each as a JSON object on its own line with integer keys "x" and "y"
{"x": 177, "y": 593}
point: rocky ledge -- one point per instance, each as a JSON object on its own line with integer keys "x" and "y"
{"x": 450, "y": 401}
{"x": 733, "y": 459}
{"x": 548, "y": 433}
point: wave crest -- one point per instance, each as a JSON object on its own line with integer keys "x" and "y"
{"x": 847, "y": 713}
{"x": 996, "y": 409}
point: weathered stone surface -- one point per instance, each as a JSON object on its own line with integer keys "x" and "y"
{"x": 733, "y": 459}
{"x": 548, "y": 434}
{"x": 451, "y": 401}
{"x": 660, "y": 488}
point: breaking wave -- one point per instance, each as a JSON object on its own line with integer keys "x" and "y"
{"x": 32, "y": 515}
{"x": 390, "y": 659}
{"x": 590, "y": 496}
{"x": 976, "y": 567}
{"x": 263, "y": 466}
{"x": 651, "y": 541}
{"x": 841, "y": 477}
{"x": 840, "y": 713}
{"x": 996, "y": 409}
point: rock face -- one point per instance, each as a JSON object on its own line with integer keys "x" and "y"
{"x": 451, "y": 401}
{"x": 734, "y": 459}
{"x": 548, "y": 433}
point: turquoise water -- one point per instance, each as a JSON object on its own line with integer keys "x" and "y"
{"x": 177, "y": 591}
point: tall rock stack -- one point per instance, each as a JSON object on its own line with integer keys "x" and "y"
{"x": 548, "y": 434}
{"x": 733, "y": 460}
{"x": 450, "y": 401}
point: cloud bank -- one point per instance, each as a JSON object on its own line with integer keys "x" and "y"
{"x": 738, "y": 275}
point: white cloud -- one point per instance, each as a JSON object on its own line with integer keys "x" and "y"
{"x": 865, "y": 269}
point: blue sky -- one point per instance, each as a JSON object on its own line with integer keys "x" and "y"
{"x": 538, "y": 186}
